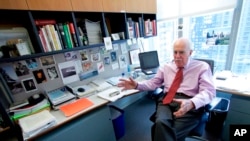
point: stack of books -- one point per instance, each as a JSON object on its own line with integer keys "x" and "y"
{"x": 28, "y": 109}
{"x": 60, "y": 96}
{"x": 94, "y": 32}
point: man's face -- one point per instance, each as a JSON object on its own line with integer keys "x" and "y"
{"x": 181, "y": 54}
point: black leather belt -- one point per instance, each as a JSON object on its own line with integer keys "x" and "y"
{"x": 182, "y": 94}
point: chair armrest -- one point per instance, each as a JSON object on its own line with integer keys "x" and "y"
{"x": 213, "y": 104}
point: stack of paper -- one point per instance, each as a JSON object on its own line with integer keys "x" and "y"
{"x": 94, "y": 32}
{"x": 33, "y": 124}
{"x": 24, "y": 111}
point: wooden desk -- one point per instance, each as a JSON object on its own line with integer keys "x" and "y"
{"x": 238, "y": 112}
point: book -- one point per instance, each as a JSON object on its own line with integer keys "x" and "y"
{"x": 63, "y": 36}
{"x": 54, "y": 37}
{"x": 42, "y": 22}
{"x": 43, "y": 32}
{"x": 45, "y": 49}
{"x": 67, "y": 35}
{"x": 59, "y": 35}
{"x": 130, "y": 26}
{"x": 73, "y": 34}
{"x": 141, "y": 27}
{"x": 51, "y": 42}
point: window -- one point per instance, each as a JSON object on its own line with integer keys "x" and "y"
{"x": 210, "y": 34}
{"x": 241, "y": 55}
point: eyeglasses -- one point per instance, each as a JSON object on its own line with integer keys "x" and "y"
{"x": 180, "y": 52}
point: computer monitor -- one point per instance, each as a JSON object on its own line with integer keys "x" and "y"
{"x": 149, "y": 61}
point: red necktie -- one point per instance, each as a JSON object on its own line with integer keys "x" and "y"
{"x": 175, "y": 85}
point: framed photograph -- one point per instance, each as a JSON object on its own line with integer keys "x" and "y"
{"x": 29, "y": 84}
{"x": 84, "y": 55}
{"x": 52, "y": 73}
{"x": 47, "y": 60}
{"x": 39, "y": 76}
{"x": 70, "y": 55}
{"x": 21, "y": 68}
{"x": 31, "y": 63}
{"x": 134, "y": 58}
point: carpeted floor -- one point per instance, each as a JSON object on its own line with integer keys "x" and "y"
{"x": 138, "y": 125}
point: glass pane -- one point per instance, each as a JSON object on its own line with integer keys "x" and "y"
{"x": 166, "y": 34}
{"x": 241, "y": 59}
{"x": 210, "y": 36}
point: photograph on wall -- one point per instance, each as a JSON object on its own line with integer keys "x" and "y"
{"x": 52, "y": 73}
{"x": 106, "y": 60}
{"x": 11, "y": 79}
{"x": 69, "y": 71}
{"x": 21, "y": 68}
{"x": 72, "y": 55}
{"x": 217, "y": 36}
{"x": 113, "y": 56}
{"x": 86, "y": 66}
{"x": 123, "y": 48}
{"x": 39, "y": 76}
{"x": 100, "y": 67}
{"x": 122, "y": 61}
{"x": 31, "y": 63}
{"x": 134, "y": 58}
{"x": 95, "y": 57}
{"x": 84, "y": 55}
{"x": 47, "y": 60}
{"x": 29, "y": 84}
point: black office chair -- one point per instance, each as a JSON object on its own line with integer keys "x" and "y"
{"x": 197, "y": 132}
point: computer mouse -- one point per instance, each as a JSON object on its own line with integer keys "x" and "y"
{"x": 80, "y": 89}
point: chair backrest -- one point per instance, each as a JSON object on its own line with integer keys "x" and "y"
{"x": 209, "y": 61}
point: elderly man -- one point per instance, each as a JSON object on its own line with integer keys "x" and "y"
{"x": 188, "y": 87}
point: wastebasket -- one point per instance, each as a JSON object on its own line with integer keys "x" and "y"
{"x": 217, "y": 117}
{"x": 117, "y": 116}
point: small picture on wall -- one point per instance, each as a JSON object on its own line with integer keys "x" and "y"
{"x": 52, "y": 73}
{"x": 29, "y": 84}
{"x": 11, "y": 79}
{"x": 106, "y": 60}
{"x": 70, "y": 55}
{"x": 84, "y": 55}
{"x": 95, "y": 57}
{"x": 39, "y": 76}
{"x": 21, "y": 68}
{"x": 122, "y": 61}
{"x": 47, "y": 60}
{"x": 31, "y": 63}
{"x": 113, "y": 56}
{"x": 134, "y": 58}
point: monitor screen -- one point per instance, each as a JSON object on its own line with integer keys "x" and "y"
{"x": 149, "y": 60}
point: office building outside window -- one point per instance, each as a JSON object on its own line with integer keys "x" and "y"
{"x": 241, "y": 56}
{"x": 210, "y": 36}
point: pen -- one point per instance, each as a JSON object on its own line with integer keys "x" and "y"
{"x": 114, "y": 93}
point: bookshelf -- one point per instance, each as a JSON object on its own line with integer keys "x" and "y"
{"x": 112, "y": 16}
{"x": 111, "y": 22}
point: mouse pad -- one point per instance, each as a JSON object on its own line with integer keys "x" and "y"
{"x": 76, "y": 106}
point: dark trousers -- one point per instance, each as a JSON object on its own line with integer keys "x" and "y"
{"x": 169, "y": 128}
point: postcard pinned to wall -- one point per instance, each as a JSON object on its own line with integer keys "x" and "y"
{"x": 69, "y": 72}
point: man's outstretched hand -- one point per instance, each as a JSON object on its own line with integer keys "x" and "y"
{"x": 127, "y": 84}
